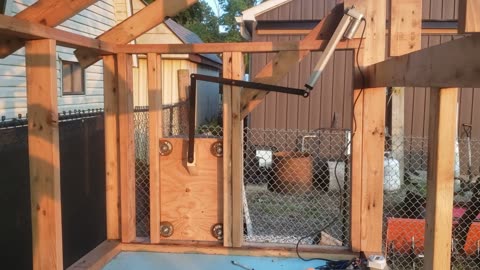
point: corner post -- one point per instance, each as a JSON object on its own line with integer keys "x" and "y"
{"x": 44, "y": 154}
{"x": 369, "y": 135}
{"x": 126, "y": 148}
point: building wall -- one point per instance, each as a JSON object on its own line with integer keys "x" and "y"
{"x": 331, "y": 101}
{"x": 90, "y": 22}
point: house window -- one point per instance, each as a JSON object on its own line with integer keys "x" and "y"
{"x": 3, "y": 3}
{"x": 73, "y": 82}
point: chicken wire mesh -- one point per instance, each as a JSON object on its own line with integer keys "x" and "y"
{"x": 405, "y": 180}
{"x": 297, "y": 184}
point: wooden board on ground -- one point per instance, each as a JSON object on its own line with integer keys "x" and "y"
{"x": 192, "y": 203}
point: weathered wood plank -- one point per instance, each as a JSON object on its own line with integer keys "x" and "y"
{"x": 44, "y": 155}
{"x": 111, "y": 146}
{"x": 227, "y": 152}
{"x": 452, "y": 64}
{"x": 155, "y": 129}
{"x": 127, "y": 148}
{"x": 237, "y": 72}
{"x": 468, "y": 16}
{"x": 441, "y": 142}
{"x": 368, "y": 137}
{"x": 136, "y": 25}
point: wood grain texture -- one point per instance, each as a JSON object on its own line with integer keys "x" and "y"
{"x": 155, "y": 129}
{"x": 44, "y": 155}
{"x": 227, "y": 151}
{"x": 25, "y": 30}
{"x": 405, "y": 26}
{"x": 126, "y": 148}
{"x": 441, "y": 141}
{"x": 191, "y": 203}
{"x": 468, "y": 16}
{"x": 369, "y": 138}
{"x": 98, "y": 257}
{"x": 237, "y": 72}
{"x": 430, "y": 66}
{"x": 183, "y": 84}
{"x": 136, "y": 25}
{"x": 112, "y": 163}
{"x": 47, "y": 12}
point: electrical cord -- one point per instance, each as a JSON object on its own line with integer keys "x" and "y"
{"x": 329, "y": 262}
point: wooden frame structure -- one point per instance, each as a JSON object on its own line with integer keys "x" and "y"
{"x": 412, "y": 67}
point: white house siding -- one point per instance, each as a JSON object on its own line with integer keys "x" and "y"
{"x": 90, "y": 22}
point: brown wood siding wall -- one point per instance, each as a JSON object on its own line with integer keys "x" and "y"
{"x": 331, "y": 101}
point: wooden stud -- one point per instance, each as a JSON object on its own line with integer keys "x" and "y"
{"x": 127, "y": 148}
{"x": 405, "y": 37}
{"x": 183, "y": 84}
{"x": 237, "y": 152}
{"x": 20, "y": 29}
{"x": 155, "y": 133}
{"x": 441, "y": 145}
{"x": 111, "y": 146}
{"x": 368, "y": 137}
{"x": 468, "y": 16}
{"x": 135, "y": 26}
{"x": 430, "y": 67}
{"x": 227, "y": 152}
{"x": 405, "y": 26}
{"x": 44, "y": 154}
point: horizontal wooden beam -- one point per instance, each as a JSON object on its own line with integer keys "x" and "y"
{"x": 98, "y": 257}
{"x": 46, "y": 12}
{"x": 244, "y": 47}
{"x": 24, "y": 30}
{"x": 425, "y": 31}
{"x": 469, "y": 16}
{"x": 136, "y": 25}
{"x": 452, "y": 64}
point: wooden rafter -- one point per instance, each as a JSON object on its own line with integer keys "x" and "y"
{"x": 136, "y": 25}
{"x": 281, "y": 64}
{"x": 21, "y": 30}
{"x": 47, "y": 12}
{"x": 452, "y": 64}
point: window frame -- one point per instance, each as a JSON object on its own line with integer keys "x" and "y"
{"x": 82, "y": 80}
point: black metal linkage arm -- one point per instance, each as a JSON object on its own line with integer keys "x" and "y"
{"x": 251, "y": 85}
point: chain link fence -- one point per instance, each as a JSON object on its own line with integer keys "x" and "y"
{"x": 405, "y": 180}
{"x": 297, "y": 185}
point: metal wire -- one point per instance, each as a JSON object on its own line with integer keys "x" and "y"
{"x": 291, "y": 190}
{"x": 405, "y": 201}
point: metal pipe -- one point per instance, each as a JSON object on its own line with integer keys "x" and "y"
{"x": 303, "y": 140}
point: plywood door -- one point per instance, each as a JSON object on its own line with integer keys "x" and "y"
{"x": 192, "y": 203}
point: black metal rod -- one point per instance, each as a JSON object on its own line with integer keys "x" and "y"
{"x": 253, "y": 85}
{"x": 191, "y": 119}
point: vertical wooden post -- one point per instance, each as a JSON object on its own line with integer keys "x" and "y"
{"x": 237, "y": 153}
{"x": 126, "y": 148}
{"x": 405, "y": 37}
{"x": 232, "y": 152}
{"x": 155, "y": 133}
{"x": 111, "y": 146}
{"x": 227, "y": 152}
{"x": 183, "y": 84}
{"x": 368, "y": 138}
{"x": 441, "y": 154}
{"x": 44, "y": 154}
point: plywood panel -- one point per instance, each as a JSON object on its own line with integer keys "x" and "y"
{"x": 193, "y": 204}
